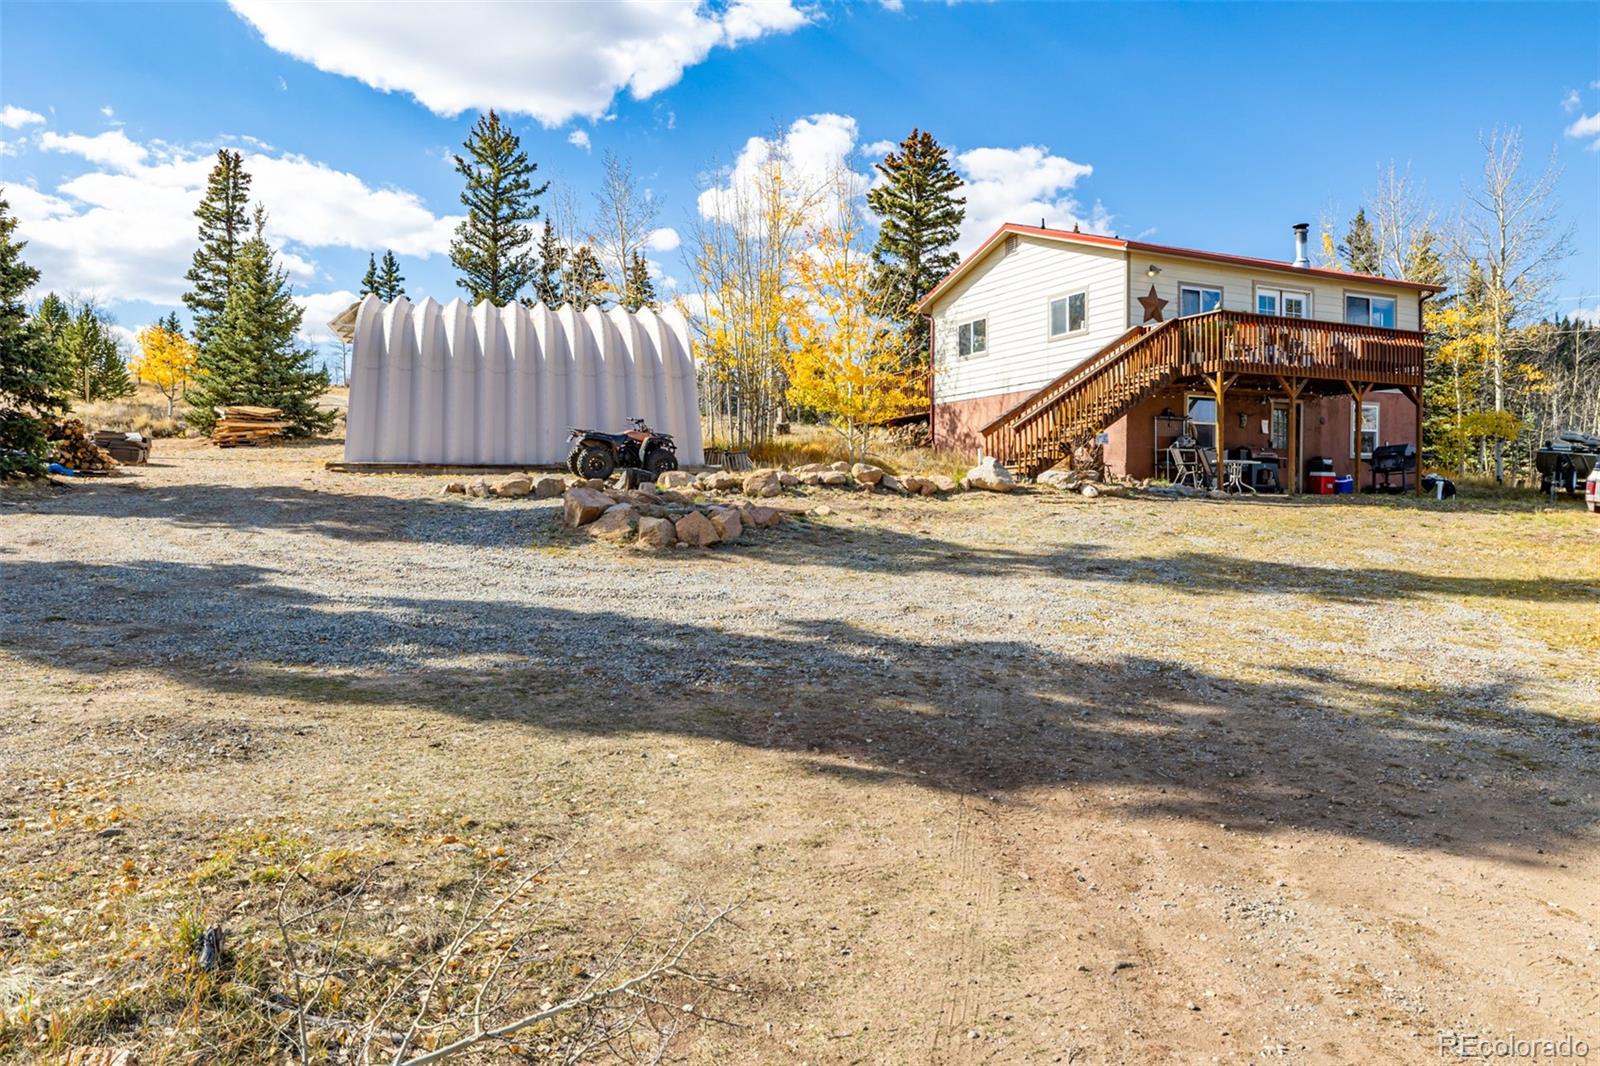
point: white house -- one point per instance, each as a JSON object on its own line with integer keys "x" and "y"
{"x": 1272, "y": 344}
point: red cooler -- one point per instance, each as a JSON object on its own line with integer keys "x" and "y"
{"x": 1324, "y": 484}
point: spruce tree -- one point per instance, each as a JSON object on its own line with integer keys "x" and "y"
{"x": 391, "y": 283}
{"x": 552, "y": 261}
{"x": 921, "y": 220}
{"x": 50, "y": 320}
{"x": 27, "y": 380}
{"x": 492, "y": 246}
{"x": 369, "y": 281}
{"x": 89, "y": 361}
{"x": 224, "y": 226}
{"x": 584, "y": 281}
{"x": 255, "y": 357}
{"x": 170, "y": 324}
{"x": 1360, "y": 247}
{"x": 637, "y": 288}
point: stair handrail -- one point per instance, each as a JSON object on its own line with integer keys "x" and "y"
{"x": 1088, "y": 366}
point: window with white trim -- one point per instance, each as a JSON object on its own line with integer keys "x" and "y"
{"x": 1362, "y": 310}
{"x": 1202, "y": 414}
{"x": 1198, "y": 299}
{"x": 1369, "y": 429}
{"x": 1069, "y": 314}
{"x": 1289, "y": 303}
{"x": 972, "y": 338}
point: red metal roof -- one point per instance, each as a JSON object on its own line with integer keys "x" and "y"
{"x": 1163, "y": 249}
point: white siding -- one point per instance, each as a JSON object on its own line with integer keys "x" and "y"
{"x": 1239, "y": 283}
{"x": 1013, "y": 292}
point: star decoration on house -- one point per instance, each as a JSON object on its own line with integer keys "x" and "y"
{"x": 1152, "y": 305}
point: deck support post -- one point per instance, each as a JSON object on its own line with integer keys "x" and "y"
{"x": 1359, "y": 390}
{"x": 1293, "y": 387}
{"x": 1415, "y": 396}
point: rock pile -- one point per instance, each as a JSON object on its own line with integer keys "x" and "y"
{"x": 656, "y": 519}
{"x": 1089, "y": 483}
{"x": 540, "y": 488}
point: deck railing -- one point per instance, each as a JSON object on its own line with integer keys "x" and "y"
{"x": 1239, "y": 342}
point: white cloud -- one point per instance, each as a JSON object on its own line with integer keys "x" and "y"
{"x": 13, "y": 117}
{"x": 112, "y": 148}
{"x": 665, "y": 239}
{"x": 126, "y": 231}
{"x": 878, "y": 149}
{"x": 321, "y": 308}
{"x": 1590, "y": 315}
{"x": 1569, "y": 103}
{"x": 552, "y": 61}
{"x": 816, "y": 149}
{"x": 1022, "y": 185}
{"x": 579, "y": 139}
{"x": 108, "y": 111}
{"x": 1586, "y": 127}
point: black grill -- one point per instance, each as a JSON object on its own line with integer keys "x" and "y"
{"x": 1393, "y": 460}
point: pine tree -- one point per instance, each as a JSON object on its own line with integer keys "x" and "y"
{"x": 391, "y": 283}
{"x": 552, "y": 259}
{"x": 492, "y": 244}
{"x": 170, "y": 324}
{"x": 1359, "y": 251}
{"x": 369, "y": 281}
{"x": 88, "y": 359}
{"x": 637, "y": 289}
{"x": 921, "y": 220}
{"x": 27, "y": 381}
{"x": 255, "y": 357}
{"x": 224, "y": 225}
{"x": 50, "y": 320}
{"x": 584, "y": 281}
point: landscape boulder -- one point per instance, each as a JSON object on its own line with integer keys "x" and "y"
{"x": 548, "y": 488}
{"x": 728, "y": 523}
{"x": 582, "y": 506}
{"x": 788, "y": 480}
{"x": 615, "y": 522}
{"x": 479, "y": 488}
{"x": 835, "y": 478}
{"x": 456, "y": 487}
{"x": 696, "y": 530}
{"x": 674, "y": 479}
{"x": 1065, "y": 480}
{"x": 762, "y": 483}
{"x": 656, "y": 533}
{"x": 890, "y": 483}
{"x": 866, "y": 473}
{"x": 760, "y": 517}
{"x": 513, "y": 486}
{"x": 939, "y": 483}
{"x": 990, "y": 475}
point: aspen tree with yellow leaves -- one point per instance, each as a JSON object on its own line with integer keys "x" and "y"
{"x": 845, "y": 359}
{"x": 166, "y": 360}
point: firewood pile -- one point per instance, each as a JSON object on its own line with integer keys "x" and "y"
{"x": 75, "y": 450}
{"x": 242, "y": 425}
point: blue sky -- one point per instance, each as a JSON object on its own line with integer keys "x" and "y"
{"x": 1214, "y": 125}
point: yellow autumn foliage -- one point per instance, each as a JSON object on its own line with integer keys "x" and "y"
{"x": 166, "y": 360}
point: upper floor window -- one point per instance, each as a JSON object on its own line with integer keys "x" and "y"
{"x": 1198, "y": 299}
{"x": 972, "y": 338}
{"x": 1369, "y": 310}
{"x": 1285, "y": 302}
{"x": 1069, "y": 314}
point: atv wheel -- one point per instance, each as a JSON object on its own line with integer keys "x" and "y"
{"x": 572, "y": 463}
{"x": 661, "y": 461}
{"x": 595, "y": 463}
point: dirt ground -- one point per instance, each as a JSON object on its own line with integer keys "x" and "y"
{"x": 990, "y": 779}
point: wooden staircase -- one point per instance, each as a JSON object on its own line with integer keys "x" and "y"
{"x": 1045, "y": 428}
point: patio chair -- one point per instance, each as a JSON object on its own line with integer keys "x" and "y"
{"x": 1184, "y": 472}
{"x": 1208, "y": 467}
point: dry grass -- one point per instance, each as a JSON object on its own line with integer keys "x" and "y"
{"x": 143, "y": 412}
{"x": 819, "y": 444}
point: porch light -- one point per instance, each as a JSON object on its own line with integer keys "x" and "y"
{"x": 1151, "y": 271}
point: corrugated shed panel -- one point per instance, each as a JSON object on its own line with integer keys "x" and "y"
{"x": 463, "y": 385}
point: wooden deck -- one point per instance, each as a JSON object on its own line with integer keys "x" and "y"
{"x": 1220, "y": 350}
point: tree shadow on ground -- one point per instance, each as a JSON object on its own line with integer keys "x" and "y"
{"x": 1464, "y": 768}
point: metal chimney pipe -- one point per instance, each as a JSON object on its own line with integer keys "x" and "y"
{"x": 1300, "y": 230}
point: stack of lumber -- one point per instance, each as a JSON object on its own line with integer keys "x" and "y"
{"x": 74, "y": 449}
{"x": 247, "y": 425}
{"x": 124, "y": 447}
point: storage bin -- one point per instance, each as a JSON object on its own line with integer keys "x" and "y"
{"x": 1345, "y": 484}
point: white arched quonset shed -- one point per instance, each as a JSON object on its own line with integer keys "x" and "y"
{"x": 460, "y": 385}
